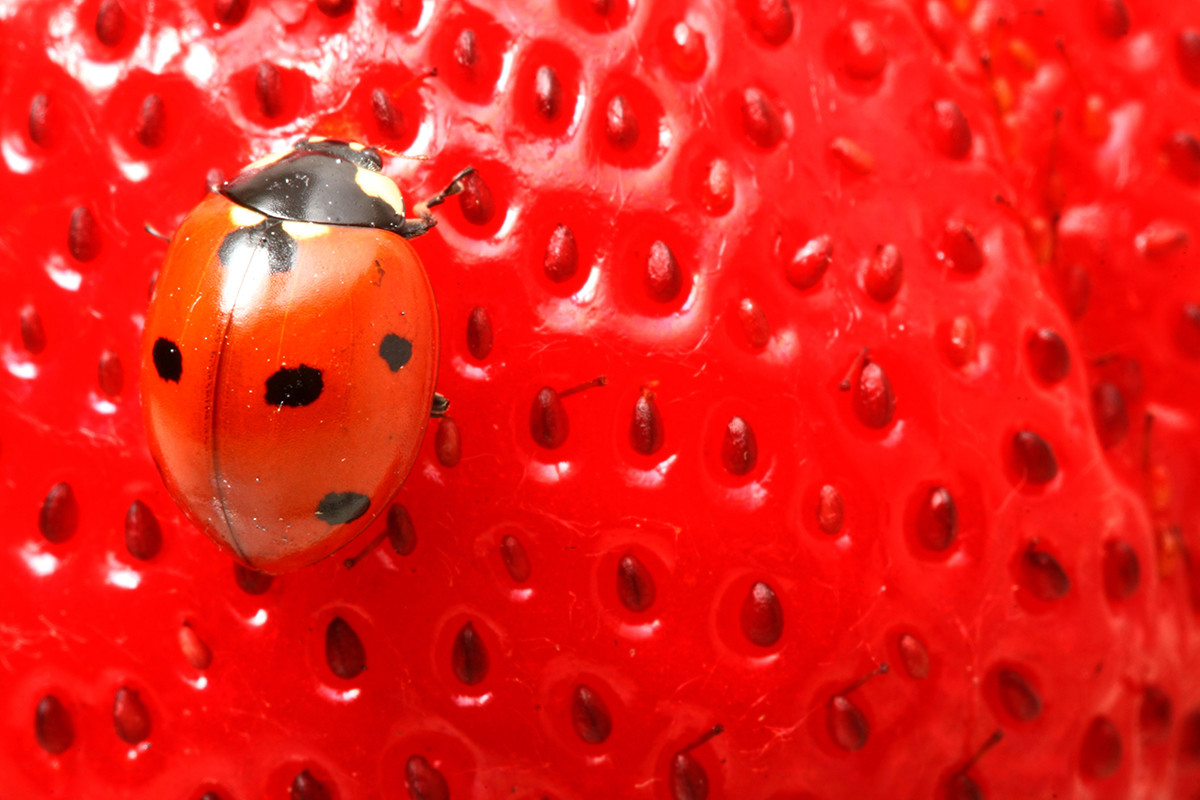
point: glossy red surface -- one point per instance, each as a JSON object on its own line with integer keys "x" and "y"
{"x": 774, "y": 598}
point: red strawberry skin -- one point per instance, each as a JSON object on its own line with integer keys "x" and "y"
{"x": 1049, "y": 598}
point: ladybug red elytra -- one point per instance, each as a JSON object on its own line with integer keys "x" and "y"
{"x": 290, "y": 354}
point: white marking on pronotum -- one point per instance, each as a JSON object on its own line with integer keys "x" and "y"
{"x": 378, "y": 185}
{"x": 304, "y": 230}
{"x": 242, "y": 217}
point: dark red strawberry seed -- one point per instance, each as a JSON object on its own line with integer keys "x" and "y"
{"x": 516, "y": 560}
{"x": 268, "y": 90}
{"x": 755, "y": 326}
{"x": 1042, "y": 575}
{"x": 150, "y": 126}
{"x": 335, "y": 8}
{"x": 447, "y": 442}
{"x": 1113, "y": 18}
{"x": 846, "y": 724}
{"x": 961, "y": 341}
{"x": 400, "y": 530}
{"x": 1034, "y": 458}
{"x": 59, "y": 516}
{"x": 1101, "y": 753}
{"x": 689, "y": 780}
{"x": 1188, "y": 333}
{"x": 1111, "y": 414}
{"x": 466, "y": 51}
{"x": 863, "y": 53}
{"x": 1182, "y": 153}
{"x": 686, "y": 53}
{"x": 663, "y": 278}
{"x": 344, "y": 651}
{"x": 193, "y": 647}
{"x": 130, "y": 716}
{"x": 1122, "y": 570}
{"x": 1048, "y": 356}
{"x": 770, "y": 19}
{"x": 547, "y": 93}
{"x": 951, "y": 133}
{"x": 110, "y": 23}
{"x": 883, "y": 273}
{"x": 1187, "y": 53}
{"x": 110, "y": 374}
{"x": 937, "y": 520}
{"x": 83, "y": 235}
{"x": 646, "y": 427}
{"x": 716, "y": 187}
{"x": 810, "y": 262}
{"x": 762, "y": 615}
{"x": 476, "y": 201}
{"x": 760, "y": 120}
{"x": 739, "y": 448}
{"x": 621, "y": 126}
{"x": 913, "y": 656}
{"x": 424, "y": 781}
{"x": 387, "y": 116}
{"x": 635, "y": 584}
{"x": 1154, "y": 716}
{"x": 959, "y": 250}
{"x": 41, "y": 125}
{"x": 562, "y": 255}
{"x": 33, "y": 335}
{"x": 469, "y": 656}
{"x": 143, "y": 536}
{"x": 1017, "y": 697}
{"x": 831, "y": 510}
{"x": 590, "y": 715}
{"x": 230, "y": 12}
{"x": 874, "y": 400}
{"x": 480, "y": 336}
{"x": 305, "y": 786}
{"x": 52, "y": 725}
{"x": 548, "y": 422}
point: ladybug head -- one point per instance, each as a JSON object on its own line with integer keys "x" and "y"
{"x": 324, "y": 181}
{"x": 357, "y": 154}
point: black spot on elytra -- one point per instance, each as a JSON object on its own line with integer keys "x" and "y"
{"x": 265, "y": 246}
{"x": 168, "y": 361}
{"x": 295, "y": 387}
{"x": 396, "y": 351}
{"x": 337, "y": 508}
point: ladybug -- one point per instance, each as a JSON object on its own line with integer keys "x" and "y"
{"x": 290, "y": 353}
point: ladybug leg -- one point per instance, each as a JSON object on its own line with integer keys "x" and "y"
{"x": 454, "y": 187}
{"x": 150, "y": 229}
{"x": 440, "y": 405}
{"x": 415, "y": 227}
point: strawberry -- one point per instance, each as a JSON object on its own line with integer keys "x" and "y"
{"x": 820, "y": 419}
